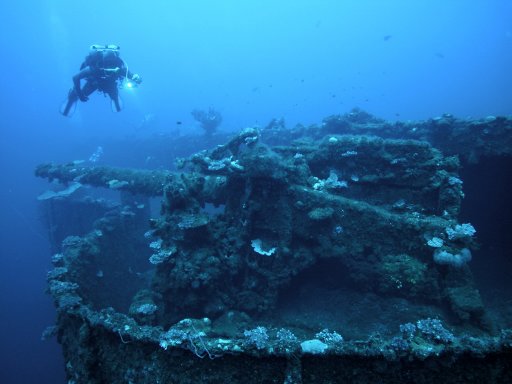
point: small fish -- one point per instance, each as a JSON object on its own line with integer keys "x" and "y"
{"x": 387, "y": 38}
{"x": 178, "y": 122}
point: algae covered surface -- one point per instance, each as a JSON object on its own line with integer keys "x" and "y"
{"x": 306, "y": 254}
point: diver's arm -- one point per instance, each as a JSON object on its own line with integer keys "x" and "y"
{"x": 79, "y": 76}
{"x": 76, "y": 82}
{"x": 125, "y": 72}
{"x": 134, "y": 77}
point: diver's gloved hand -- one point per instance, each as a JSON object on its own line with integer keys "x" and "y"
{"x": 82, "y": 97}
{"x": 136, "y": 78}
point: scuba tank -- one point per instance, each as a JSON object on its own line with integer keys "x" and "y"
{"x": 104, "y": 58}
{"x": 110, "y": 47}
{"x": 96, "y": 53}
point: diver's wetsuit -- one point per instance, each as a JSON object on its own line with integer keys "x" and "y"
{"x": 101, "y": 71}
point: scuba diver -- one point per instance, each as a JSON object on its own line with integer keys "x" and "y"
{"x": 103, "y": 70}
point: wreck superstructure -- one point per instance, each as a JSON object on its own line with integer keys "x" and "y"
{"x": 282, "y": 252}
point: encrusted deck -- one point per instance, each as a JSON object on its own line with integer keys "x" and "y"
{"x": 335, "y": 258}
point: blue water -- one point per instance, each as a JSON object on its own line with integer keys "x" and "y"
{"x": 251, "y": 60}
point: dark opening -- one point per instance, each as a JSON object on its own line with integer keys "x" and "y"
{"x": 488, "y": 206}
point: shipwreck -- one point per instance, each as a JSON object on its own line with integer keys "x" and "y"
{"x": 329, "y": 253}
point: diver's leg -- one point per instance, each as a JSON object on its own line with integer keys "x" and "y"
{"x": 88, "y": 88}
{"x": 72, "y": 99}
{"x": 113, "y": 92}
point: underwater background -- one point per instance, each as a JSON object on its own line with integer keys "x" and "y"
{"x": 250, "y": 60}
